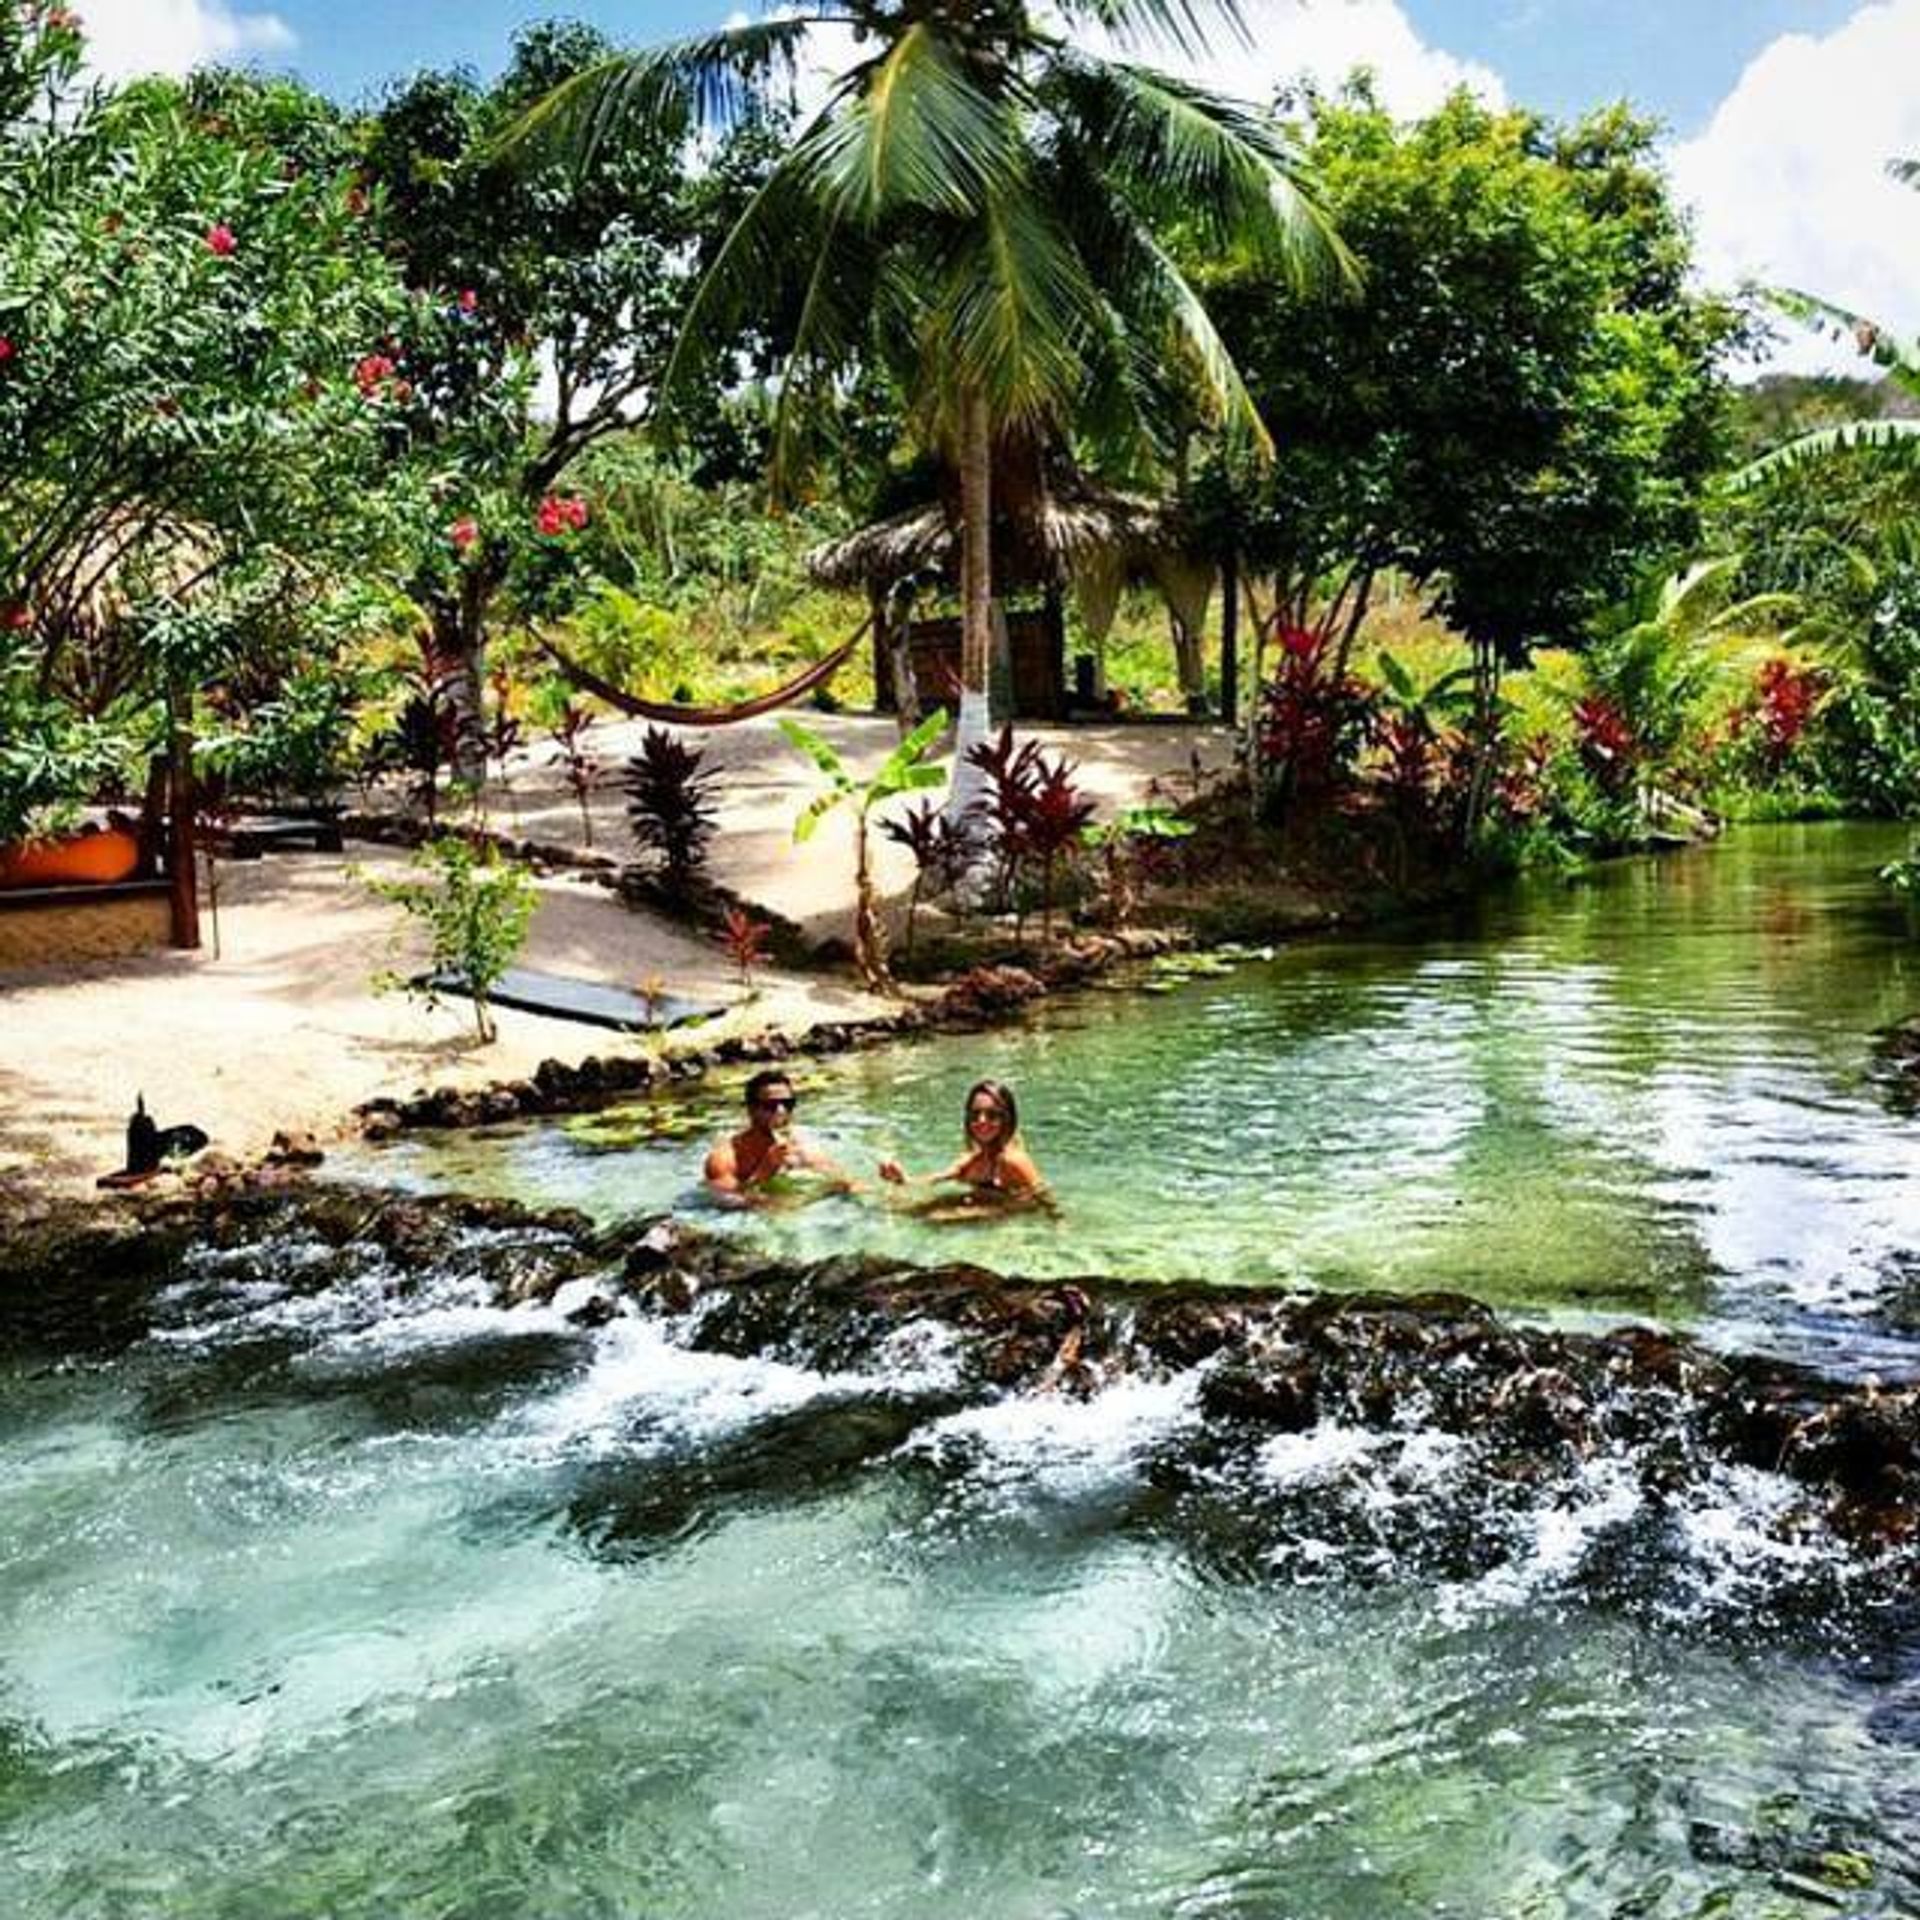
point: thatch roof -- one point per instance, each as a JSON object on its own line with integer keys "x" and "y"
{"x": 1075, "y": 524}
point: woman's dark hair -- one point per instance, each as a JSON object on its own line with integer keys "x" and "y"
{"x": 1002, "y": 1097}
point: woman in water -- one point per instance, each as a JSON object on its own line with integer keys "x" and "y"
{"x": 995, "y": 1168}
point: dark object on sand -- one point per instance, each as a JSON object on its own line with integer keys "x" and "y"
{"x": 149, "y": 1144}
{"x": 143, "y": 1139}
{"x": 594, "y": 1003}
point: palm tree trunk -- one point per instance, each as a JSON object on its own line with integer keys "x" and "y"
{"x": 976, "y": 609}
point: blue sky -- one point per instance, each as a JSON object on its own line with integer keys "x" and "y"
{"x": 1679, "y": 58}
{"x": 1782, "y": 113}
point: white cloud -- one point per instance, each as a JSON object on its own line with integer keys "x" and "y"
{"x": 1789, "y": 178}
{"x": 127, "y": 37}
{"x": 1323, "y": 41}
{"x": 1287, "y": 40}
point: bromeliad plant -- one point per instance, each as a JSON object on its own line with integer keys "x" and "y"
{"x": 905, "y": 770}
{"x": 939, "y": 849}
{"x": 745, "y": 941}
{"x": 1123, "y": 846}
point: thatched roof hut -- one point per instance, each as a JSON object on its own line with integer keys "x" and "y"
{"x": 1073, "y": 526}
{"x": 1068, "y": 535}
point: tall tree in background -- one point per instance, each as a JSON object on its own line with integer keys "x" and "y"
{"x": 982, "y": 207}
{"x": 1520, "y": 406}
{"x": 545, "y": 300}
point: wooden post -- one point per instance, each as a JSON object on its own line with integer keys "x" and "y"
{"x": 1056, "y": 619}
{"x": 182, "y": 875}
{"x": 1230, "y": 638}
{"x": 886, "y": 695}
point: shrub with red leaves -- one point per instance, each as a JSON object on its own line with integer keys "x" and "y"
{"x": 1313, "y": 721}
{"x": 1786, "y": 698}
{"x": 1606, "y": 743}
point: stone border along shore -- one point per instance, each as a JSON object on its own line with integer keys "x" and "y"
{"x": 973, "y": 1001}
{"x": 1527, "y": 1411}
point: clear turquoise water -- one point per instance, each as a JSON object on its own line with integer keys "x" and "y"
{"x": 368, "y": 1599}
{"x": 1641, "y": 1091}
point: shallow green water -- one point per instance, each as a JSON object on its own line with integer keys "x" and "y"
{"x": 363, "y": 1598}
{"x": 1645, "y": 1090}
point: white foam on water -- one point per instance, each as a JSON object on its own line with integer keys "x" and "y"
{"x": 1557, "y": 1537}
{"x": 1732, "y": 1532}
{"x": 642, "y": 1385}
{"x": 1070, "y": 1445}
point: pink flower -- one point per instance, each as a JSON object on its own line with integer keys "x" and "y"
{"x": 220, "y": 239}
{"x": 469, "y": 301}
{"x": 6, "y": 349}
{"x": 464, "y": 532}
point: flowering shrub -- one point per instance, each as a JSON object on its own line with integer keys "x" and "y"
{"x": 560, "y": 513}
{"x": 1786, "y": 698}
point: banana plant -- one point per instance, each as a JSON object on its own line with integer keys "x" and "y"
{"x": 905, "y": 770}
{"x": 1900, "y": 359}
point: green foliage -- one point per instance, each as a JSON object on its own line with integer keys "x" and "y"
{"x": 52, "y": 758}
{"x": 474, "y": 907}
{"x": 905, "y": 770}
{"x": 1521, "y": 402}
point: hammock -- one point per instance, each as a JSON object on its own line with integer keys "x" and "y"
{"x": 674, "y": 714}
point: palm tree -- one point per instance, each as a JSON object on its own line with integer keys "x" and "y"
{"x": 1900, "y": 358}
{"x": 983, "y": 208}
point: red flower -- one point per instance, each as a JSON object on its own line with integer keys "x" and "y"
{"x": 371, "y": 373}
{"x": 6, "y": 349}
{"x": 464, "y": 532}
{"x": 17, "y": 618}
{"x": 469, "y": 301}
{"x": 558, "y": 513}
{"x": 220, "y": 239}
{"x": 1301, "y": 642}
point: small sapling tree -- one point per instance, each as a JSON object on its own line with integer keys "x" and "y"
{"x": 905, "y": 770}
{"x": 475, "y": 907}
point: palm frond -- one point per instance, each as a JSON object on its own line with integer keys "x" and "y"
{"x": 1187, "y": 155}
{"x": 1853, "y": 436}
{"x": 779, "y": 236}
{"x": 1901, "y": 358}
{"x": 917, "y": 132}
{"x": 1907, "y": 172}
{"x": 709, "y": 82}
{"x": 1011, "y": 307}
{"x": 1181, "y": 24}
{"x": 1167, "y": 318}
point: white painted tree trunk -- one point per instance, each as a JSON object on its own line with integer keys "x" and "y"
{"x": 976, "y": 607}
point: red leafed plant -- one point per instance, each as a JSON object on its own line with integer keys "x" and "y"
{"x": 745, "y": 940}
{"x": 1314, "y": 720}
{"x": 1786, "y": 698}
{"x": 1605, "y": 741}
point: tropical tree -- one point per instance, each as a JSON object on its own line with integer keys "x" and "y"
{"x": 1899, "y": 357}
{"x": 574, "y": 273}
{"x": 982, "y": 207}
{"x": 1522, "y": 402}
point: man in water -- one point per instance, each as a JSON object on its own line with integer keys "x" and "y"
{"x": 741, "y": 1172}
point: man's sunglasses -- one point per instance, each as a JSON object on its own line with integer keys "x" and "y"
{"x": 778, "y": 1101}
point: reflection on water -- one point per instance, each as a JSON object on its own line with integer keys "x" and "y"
{"x": 1643, "y": 1090}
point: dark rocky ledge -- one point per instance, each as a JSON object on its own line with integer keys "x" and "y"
{"x": 1526, "y": 1415}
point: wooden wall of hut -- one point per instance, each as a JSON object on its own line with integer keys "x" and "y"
{"x": 1037, "y": 641}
